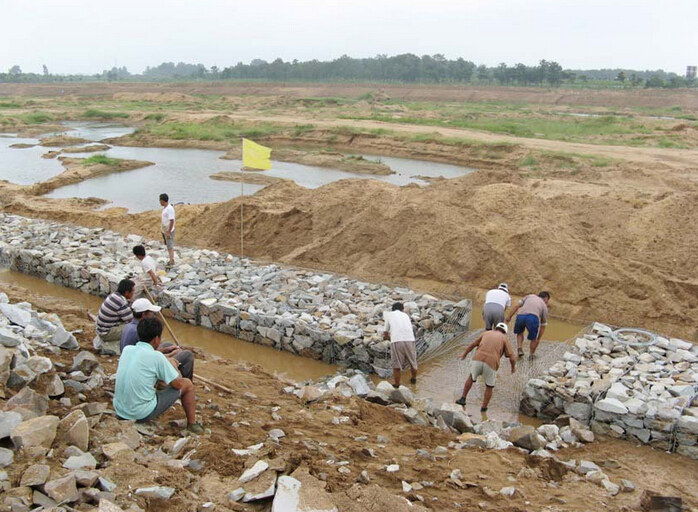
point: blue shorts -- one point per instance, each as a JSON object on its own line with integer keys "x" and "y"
{"x": 528, "y": 322}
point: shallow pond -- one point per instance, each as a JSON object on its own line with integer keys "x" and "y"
{"x": 183, "y": 173}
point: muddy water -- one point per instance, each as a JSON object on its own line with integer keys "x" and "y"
{"x": 440, "y": 379}
{"x": 184, "y": 173}
{"x": 223, "y": 345}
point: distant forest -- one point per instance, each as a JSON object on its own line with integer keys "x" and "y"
{"x": 406, "y": 68}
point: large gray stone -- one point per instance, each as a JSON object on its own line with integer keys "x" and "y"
{"x": 611, "y": 405}
{"x": 6, "y": 457}
{"x": 84, "y": 461}
{"x": 74, "y": 429}
{"x": 15, "y": 314}
{"x": 28, "y": 403}
{"x": 526, "y": 437}
{"x": 157, "y": 492}
{"x": 9, "y": 338}
{"x": 85, "y": 362}
{"x": 402, "y": 395}
{"x": 8, "y": 421}
{"x": 63, "y": 490}
{"x": 36, "y": 432}
{"x": 35, "y": 475}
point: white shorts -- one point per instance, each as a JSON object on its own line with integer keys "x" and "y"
{"x": 489, "y": 374}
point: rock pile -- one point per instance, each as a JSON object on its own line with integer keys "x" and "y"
{"x": 640, "y": 392}
{"x": 322, "y": 316}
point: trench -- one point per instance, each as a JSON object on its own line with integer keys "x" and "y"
{"x": 440, "y": 379}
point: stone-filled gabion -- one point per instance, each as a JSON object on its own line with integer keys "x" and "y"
{"x": 318, "y": 315}
{"x": 643, "y": 393}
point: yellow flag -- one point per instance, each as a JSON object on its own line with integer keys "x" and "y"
{"x": 255, "y": 156}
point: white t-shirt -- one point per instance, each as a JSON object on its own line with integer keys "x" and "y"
{"x": 498, "y": 296}
{"x": 148, "y": 264}
{"x": 399, "y": 325}
{"x": 167, "y": 216}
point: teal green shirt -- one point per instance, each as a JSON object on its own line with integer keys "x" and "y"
{"x": 140, "y": 367}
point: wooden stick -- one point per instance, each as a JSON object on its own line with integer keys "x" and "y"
{"x": 196, "y": 375}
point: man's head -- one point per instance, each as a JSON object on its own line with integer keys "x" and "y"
{"x": 545, "y": 296}
{"x": 398, "y": 306}
{"x": 164, "y": 199}
{"x": 143, "y": 308}
{"x": 502, "y": 327}
{"x": 139, "y": 252}
{"x": 504, "y": 287}
{"x": 149, "y": 331}
{"x": 125, "y": 288}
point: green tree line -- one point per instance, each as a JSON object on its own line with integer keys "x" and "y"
{"x": 405, "y": 68}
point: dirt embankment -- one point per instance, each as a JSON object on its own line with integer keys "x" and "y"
{"x": 252, "y": 178}
{"x": 75, "y": 172}
{"x": 612, "y": 244}
{"x": 165, "y": 92}
{"x": 371, "y": 438}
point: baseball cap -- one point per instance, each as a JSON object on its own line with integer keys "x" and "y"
{"x": 502, "y": 326}
{"x": 142, "y": 305}
{"x": 503, "y": 286}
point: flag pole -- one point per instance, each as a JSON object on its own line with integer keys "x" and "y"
{"x": 242, "y": 195}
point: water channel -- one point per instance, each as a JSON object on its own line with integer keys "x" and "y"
{"x": 440, "y": 379}
{"x": 183, "y": 173}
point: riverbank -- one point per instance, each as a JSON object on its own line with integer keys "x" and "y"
{"x": 340, "y": 446}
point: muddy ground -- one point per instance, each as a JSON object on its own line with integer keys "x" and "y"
{"x": 313, "y": 442}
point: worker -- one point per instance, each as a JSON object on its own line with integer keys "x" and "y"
{"x": 491, "y": 345}
{"x": 143, "y": 308}
{"x": 114, "y": 314}
{"x": 403, "y": 348}
{"x": 497, "y": 301}
{"x": 141, "y": 366}
{"x": 532, "y": 317}
{"x": 149, "y": 275}
{"x": 167, "y": 226}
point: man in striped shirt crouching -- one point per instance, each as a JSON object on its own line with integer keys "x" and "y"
{"x": 115, "y": 312}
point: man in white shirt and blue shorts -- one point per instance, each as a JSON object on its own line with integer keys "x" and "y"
{"x": 403, "y": 348}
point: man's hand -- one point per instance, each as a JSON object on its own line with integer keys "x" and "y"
{"x": 465, "y": 354}
{"x": 513, "y": 367}
{"x": 170, "y": 349}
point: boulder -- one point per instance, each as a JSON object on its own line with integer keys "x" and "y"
{"x": 6, "y": 357}
{"x": 35, "y": 475}
{"x": 402, "y": 395}
{"x": 62, "y": 490}
{"x": 262, "y": 487}
{"x": 7, "y": 457}
{"x": 85, "y": 362}
{"x": 156, "y": 492}
{"x": 9, "y": 338}
{"x": 118, "y": 450}
{"x": 526, "y": 437}
{"x": 83, "y": 461}
{"x": 288, "y": 495}
{"x": 611, "y": 405}
{"x": 359, "y": 385}
{"x": 74, "y": 430}
{"x": 36, "y": 432}
{"x": 28, "y": 403}
{"x": 250, "y": 474}
{"x": 8, "y": 421}
{"x": 15, "y": 314}
{"x": 581, "y": 431}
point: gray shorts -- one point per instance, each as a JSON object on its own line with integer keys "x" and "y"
{"x": 488, "y": 373}
{"x": 403, "y": 354}
{"x": 492, "y": 314}
{"x": 169, "y": 240}
{"x": 166, "y": 399}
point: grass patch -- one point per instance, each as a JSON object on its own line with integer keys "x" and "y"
{"x": 528, "y": 161}
{"x": 300, "y": 129}
{"x": 35, "y": 117}
{"x": 156, "y": 116}
{"x": 10, "y": 104}
{"x": 101, "y": 159}
{"x": 92, "y": 113}
{"x": 214, "y": 129}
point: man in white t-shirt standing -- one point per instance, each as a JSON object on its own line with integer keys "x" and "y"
{"x": 149, "y": 274}
{"x": 497, "y": 301}
{"x": 168, "y": 225}
{"x": 403, "y": 348}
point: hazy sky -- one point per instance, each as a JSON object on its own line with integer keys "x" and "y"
{"x": 87, "y": 36}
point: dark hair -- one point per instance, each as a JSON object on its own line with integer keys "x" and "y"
{"x": 125, "y": 285}
{"x": 148, "y": 329}
{"x": 397, "y": 306}
{"x": 138, "y": 314}
{"x": 544, "y": 295}
{"x": 139, "y": 250}
{"x": 165, "y": 197}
